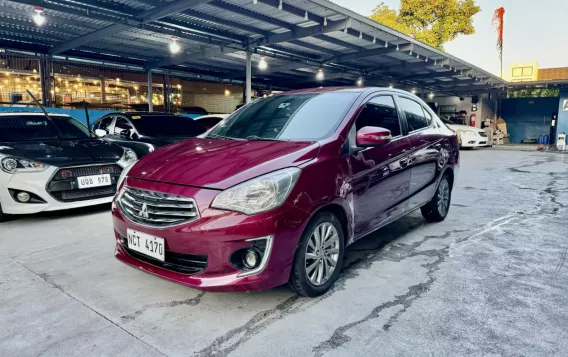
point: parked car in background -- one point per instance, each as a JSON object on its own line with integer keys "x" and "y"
{"x": 144, "y": 132}
{"x": 469, "y": 136}
{"x": 55, "y": 163}
{"x": 210, "y": 120}
{"x": 276, "y": 193}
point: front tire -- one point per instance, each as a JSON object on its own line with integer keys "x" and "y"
{"x": 437, "y": 209}
{"x": 319, "y": 256}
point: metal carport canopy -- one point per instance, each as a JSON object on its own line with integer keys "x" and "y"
{"x": 297, "y": 37}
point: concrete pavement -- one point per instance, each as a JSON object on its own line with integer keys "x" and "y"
{"x": 491, "y": 280}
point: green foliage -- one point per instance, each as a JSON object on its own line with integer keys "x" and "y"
{"x": 534, "y": 93}
{"x": 433, "y": 22}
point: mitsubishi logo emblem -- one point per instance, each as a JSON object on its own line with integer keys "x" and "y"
{"x": 144, "y": 211}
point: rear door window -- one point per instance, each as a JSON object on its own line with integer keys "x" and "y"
{"x": 414, "y": 114}
{"x": 121, "y": 125}
{"x": 104, "y": 124}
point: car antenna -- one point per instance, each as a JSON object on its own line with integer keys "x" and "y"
{"x": 87, "y": 117}
{"x": 44, "y": 113}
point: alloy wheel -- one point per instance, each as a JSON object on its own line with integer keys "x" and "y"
{"x": 322, "y": 254}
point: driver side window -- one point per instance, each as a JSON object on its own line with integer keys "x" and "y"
{"x": 104, "y": 124}
{"x": 120, "y": 125}
{"x": 380, "y": 112}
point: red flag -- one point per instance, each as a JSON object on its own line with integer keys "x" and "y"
{"x": 498, "y": 23}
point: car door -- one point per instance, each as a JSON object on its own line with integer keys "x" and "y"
{"x": 426, "y": 146}
{"x": 380, "y": 178}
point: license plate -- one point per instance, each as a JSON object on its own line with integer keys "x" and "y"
{"x": 146, "y": 244}
{"x": 94, "y": 181}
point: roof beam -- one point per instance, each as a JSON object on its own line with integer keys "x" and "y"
{"x": 370, "y": 53}
{"x": 145, "y": 17}
{"x": 430, "y": 75}
{"x": 252, "y": 14}
{"x": 337, "y": 42}
{"x": 271, "y": 40}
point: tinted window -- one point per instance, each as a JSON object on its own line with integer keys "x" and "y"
{"x": 299, "y": 117}
{"x": 120, "y": 125}
{"x": 209, "y": 122}
{"x": 380, "y": 112}
{"x": 414, "y": 114}
{"x": 36, "y": 127}
{"x": 167, "y": 125}
{"x": 104, "y": 124}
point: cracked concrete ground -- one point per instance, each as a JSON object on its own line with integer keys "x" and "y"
{"x": 491, "y": 280}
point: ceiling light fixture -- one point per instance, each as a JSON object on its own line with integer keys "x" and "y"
{"x": 431, "y": 95}
{"x": 174, "y": 45}
{"x": 360, "y": 82}
{"x": 306, "y": 16}
{"x": 280, "y": 5}
{"x": 320, "y": 75}
{"x": 325, "y": 21}
{"x": 38, "y": 17}
{"x": 413, "y": 91}
{"x": 262, "y": 65}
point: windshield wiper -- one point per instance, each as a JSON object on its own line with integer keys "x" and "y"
{"x": 216, "y": 136}
{"x": 258, "y": 138}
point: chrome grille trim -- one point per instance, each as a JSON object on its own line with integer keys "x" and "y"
{"x": 156, "y": 209}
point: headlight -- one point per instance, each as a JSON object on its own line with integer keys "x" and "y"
{"x": 468, "y": 132}
{"x": 12, "y": 164}
{"x": 127, "y": 158}
{"x": 123, "y": 174}
{"x": 259, "y": 194}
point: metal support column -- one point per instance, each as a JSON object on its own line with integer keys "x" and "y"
{"x": 45, "y": 67}
{"x": 249, "y": 77}
{"x": 150, "y": 95}
{"x": 166, "y": 91}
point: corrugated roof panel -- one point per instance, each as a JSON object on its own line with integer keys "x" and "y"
{"x": 227, "y": 15}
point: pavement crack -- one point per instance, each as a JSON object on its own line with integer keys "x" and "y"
{"x": 47, "y": 279}
{"x": 189, "y": 302}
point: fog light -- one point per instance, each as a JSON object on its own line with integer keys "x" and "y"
{"x": 251, "y": 259}
{"x": 23, "y": 197}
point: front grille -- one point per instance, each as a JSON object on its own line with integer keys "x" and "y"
{"x": 176, "y": 262}
{"x": 484, "y": 134}
{"x": 74, "y": 172}
{"x": 63, "y": 185}
{"x": 156, "y": 209}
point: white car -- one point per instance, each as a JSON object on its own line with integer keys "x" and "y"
{"x": 469, "y": 136}
{"x": 55, "y": 163}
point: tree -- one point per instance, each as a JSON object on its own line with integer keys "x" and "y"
{"x": 433, "y": 22}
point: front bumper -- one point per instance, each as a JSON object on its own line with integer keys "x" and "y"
{"x": 37, "y": 183}
{"x": 473, "y": 140}
{"x": 216, "y": 235}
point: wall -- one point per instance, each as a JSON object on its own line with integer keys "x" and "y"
{"x": 485, "y": 107}
{"x": 521, "y": 72}
{"x": 527, "y": 118}
{"x": 562, "y": 114}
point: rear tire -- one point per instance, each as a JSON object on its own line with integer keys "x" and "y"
{"x": 437, "y": 209}
{"x": 319, "y": 256}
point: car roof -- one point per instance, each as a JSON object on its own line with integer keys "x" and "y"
{"x": 6, "y": 114}
{"x": 223, "y": 116}
{"x": 360, "y": 90}
{"x": 129, "y": 114}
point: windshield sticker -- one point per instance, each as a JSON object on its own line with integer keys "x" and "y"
{"x": 136, "y": 117}
{"x": 283, "y": 105}
{"x": 36, "y": 123}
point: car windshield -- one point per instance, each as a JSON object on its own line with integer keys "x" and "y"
{"x": 167, "y": 125}
{"x": 37, "y": 127}
{"x": 296, "y": 117}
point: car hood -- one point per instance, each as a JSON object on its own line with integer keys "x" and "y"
{"x": 220, "y": 164}
{"x": 64, "y": 152}
{"x": 465, "y": 127}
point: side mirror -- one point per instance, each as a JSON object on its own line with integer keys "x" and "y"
{"x": 369, "y": 136}
{"x": 100, "y": 132}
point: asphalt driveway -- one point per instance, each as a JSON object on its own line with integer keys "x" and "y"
{"x": 491, "y": 280}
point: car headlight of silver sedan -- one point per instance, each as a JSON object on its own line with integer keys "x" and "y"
{"x": 10, "y": 164}
{"x": 259, "y": 194}
{"x": 128, "y": 157}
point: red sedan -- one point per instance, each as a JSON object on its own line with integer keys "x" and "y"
{"x": 276, "y": 191}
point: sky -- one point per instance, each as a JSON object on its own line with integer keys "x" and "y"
{"x": 535, "y": 30}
